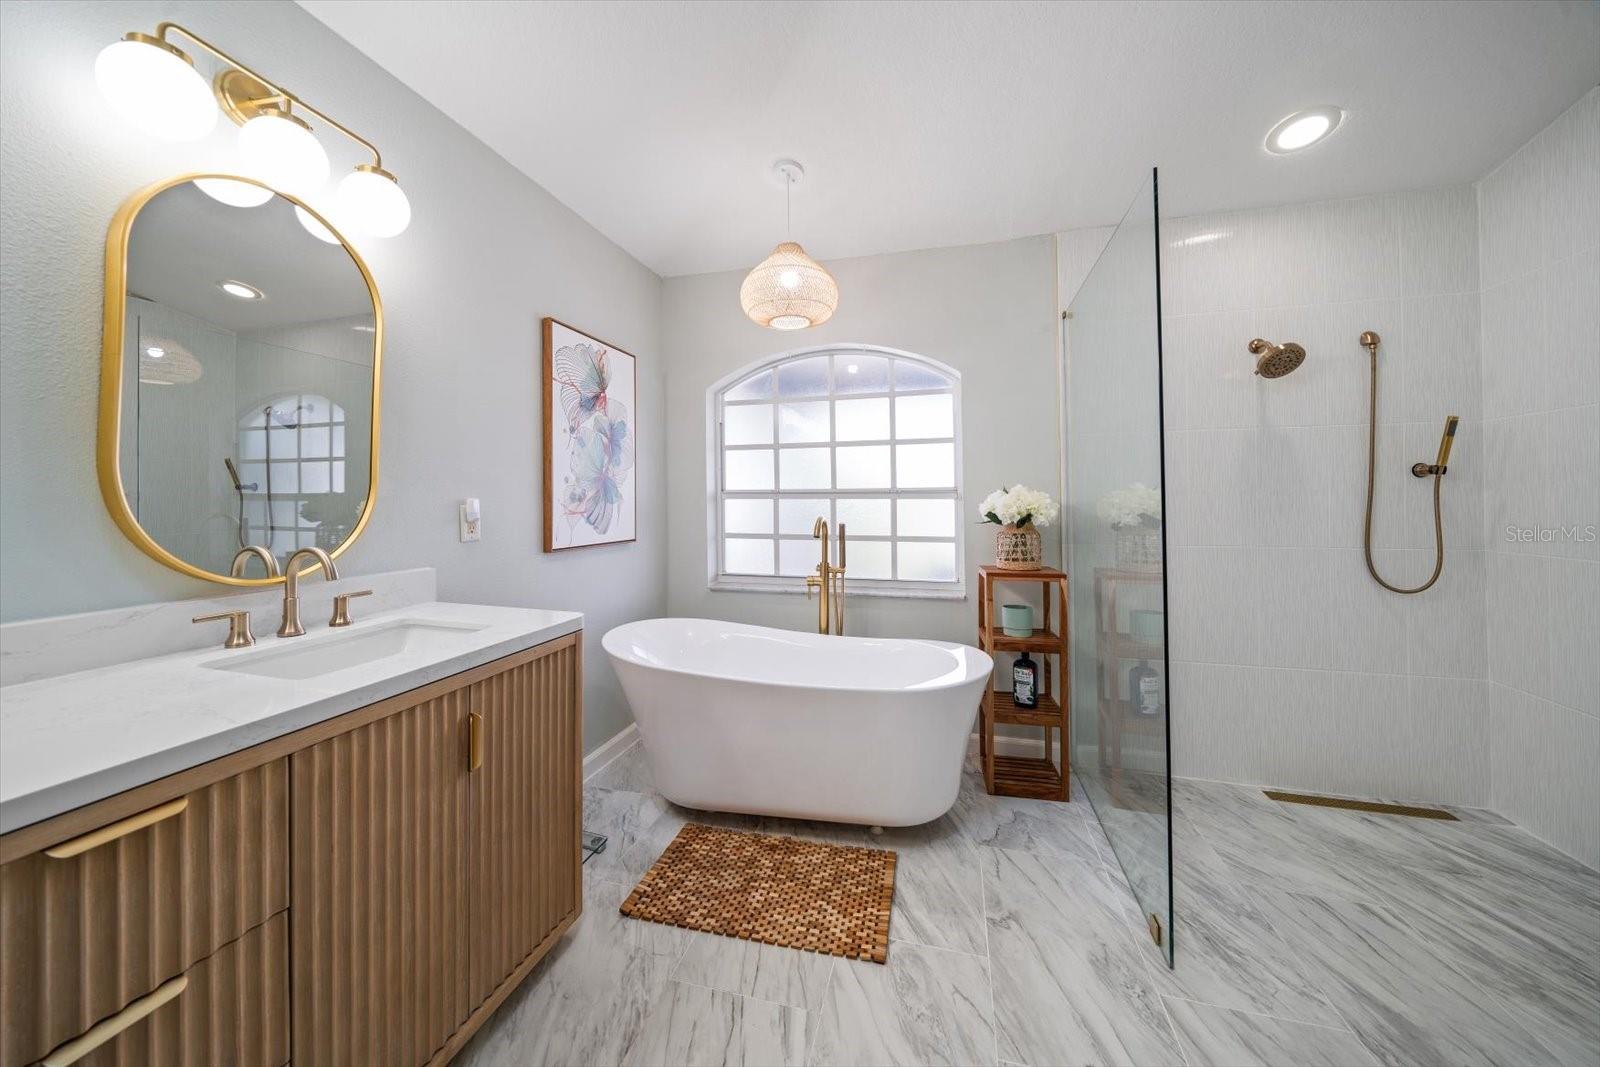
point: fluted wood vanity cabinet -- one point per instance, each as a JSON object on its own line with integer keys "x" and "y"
{"x": 366, "y": 890}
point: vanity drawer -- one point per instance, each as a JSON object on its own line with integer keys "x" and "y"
{"x": 231, "y": 1008}
{"x": 97, "y": 921}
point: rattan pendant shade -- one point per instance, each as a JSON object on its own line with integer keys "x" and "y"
{"x": 789, "y": 290}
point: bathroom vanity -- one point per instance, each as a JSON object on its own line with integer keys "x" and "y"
{"x": 348, "y": 848}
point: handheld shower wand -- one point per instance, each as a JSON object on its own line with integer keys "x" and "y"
{"x": 1435, "y": 470}
{"x": 238, "y": 489}
{"x": 1447, "y": 441}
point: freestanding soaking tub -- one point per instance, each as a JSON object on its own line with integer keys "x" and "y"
{"x": 774, "y": 722}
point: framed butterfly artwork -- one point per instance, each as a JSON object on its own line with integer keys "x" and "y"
{"x": 591, "y": 489}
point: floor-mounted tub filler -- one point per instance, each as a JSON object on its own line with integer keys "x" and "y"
{"x": 774, "y": 722}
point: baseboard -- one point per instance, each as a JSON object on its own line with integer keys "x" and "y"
{"x": 612, "y": 750}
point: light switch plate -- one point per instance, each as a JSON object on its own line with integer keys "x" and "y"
{"x": 471, "y": 521}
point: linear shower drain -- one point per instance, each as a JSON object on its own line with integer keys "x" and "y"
{"x": 1359, "y": 805}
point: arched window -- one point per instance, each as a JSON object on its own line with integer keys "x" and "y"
{"x": 860, "y": 435}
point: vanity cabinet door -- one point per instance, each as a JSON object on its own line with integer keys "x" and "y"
{"x": 526, "y": 809}
{"x": 380, "y": 887}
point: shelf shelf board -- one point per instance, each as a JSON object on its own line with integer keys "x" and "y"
{"x": 1048, "y": 713}
{"x": 1126, "y": 646}
{"x": 1020, "y": 776}
{"x": 1041, "y": 641}
{"x": 1132, "y": 721}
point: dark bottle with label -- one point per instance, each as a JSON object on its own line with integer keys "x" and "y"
{"x": 1025, "y": 682}
{"x": 1144, "y": 690}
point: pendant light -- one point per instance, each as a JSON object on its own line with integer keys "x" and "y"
{"x": 789, "y": 290}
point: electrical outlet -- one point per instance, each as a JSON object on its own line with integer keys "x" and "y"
{"x": 471, "y": 520}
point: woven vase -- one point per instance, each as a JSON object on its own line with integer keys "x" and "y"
{"x": 1139, "y": 549}
{"x": 1018, "y": 548}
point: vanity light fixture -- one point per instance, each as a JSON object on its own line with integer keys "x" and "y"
{"x": 234, "y": 193}
{"x": 279, "y": 148}
{"x": 154, "y": 85}
{"x": 1303, "y": 129}
{"x": 312, "y": 225}
{"x": 789, "y": 290}
{"x": 240, "y": 289}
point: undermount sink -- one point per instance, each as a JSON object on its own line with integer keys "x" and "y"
{"x": 324, "y": 655}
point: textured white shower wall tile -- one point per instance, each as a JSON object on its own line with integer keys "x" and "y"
{"x": 1543, "y": 773}
{"x": 44, "y": 648}
{"x": 1519, "y": 622}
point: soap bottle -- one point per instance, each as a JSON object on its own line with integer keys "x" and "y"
{"x": 1144, "y": 690}
{"x": 1025, "y": 682}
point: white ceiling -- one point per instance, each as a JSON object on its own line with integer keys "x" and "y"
{"x": 932, "y": 124}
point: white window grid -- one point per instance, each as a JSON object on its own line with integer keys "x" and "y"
{"x": 282, "y": 529}
{"x": 721, "y": 578}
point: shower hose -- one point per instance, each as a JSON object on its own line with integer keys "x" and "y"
{"x": 1372, "y": 467}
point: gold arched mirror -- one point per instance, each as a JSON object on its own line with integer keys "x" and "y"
{"x": 239, "y": 379}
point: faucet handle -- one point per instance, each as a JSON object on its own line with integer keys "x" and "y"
{"x": 341, "y": 607}
{"x": 239, "y": 635}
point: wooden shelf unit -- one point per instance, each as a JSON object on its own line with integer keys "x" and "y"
{"x": 1113, "y": 649}
{"x": 1018, "y": 776}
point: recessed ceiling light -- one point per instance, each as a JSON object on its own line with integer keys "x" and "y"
{"x": 240, "y": 290}
{"x": 1303, "y": 129}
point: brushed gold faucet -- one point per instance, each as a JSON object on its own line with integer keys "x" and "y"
{"x": 829, "y": 581}
{"x": 241, "y": 559}
{"x": 290, "y": 627}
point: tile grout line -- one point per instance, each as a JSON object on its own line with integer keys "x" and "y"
{"x": 988, "y": 952}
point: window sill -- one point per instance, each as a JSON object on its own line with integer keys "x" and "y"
{"x": 942, "y": 591}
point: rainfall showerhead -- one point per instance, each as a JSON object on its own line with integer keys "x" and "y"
{"x": 1274, "y": 361}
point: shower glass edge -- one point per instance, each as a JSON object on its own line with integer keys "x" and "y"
{"x": 1114, "y": 542}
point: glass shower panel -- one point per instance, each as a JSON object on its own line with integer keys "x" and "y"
{"x": 1115, "y": 552}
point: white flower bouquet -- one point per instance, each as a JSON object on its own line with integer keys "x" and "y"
{"x": 1135, "y": 506}
{"x": 1019, "y": 506}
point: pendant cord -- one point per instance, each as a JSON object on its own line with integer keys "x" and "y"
{"x": 788, "y": 217}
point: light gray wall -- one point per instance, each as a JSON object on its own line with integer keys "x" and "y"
{"x": 487, "y": 254}
{"x": 1539, "y": 227}
{"x": 986, "y": 310}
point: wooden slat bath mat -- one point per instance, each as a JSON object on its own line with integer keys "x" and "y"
{"x": 822, "y": 898}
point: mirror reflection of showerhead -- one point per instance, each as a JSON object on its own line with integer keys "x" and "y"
{"x": 1274, "y": 361}
{"x": 283, "y": 419}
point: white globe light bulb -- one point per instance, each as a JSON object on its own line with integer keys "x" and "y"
{"x": 234, "y": 193}
{"x": 155, "y": 88}
{"x": 314, "y": 226}
{"x": 371, "y": 201}
{"x": 281, "y": 150}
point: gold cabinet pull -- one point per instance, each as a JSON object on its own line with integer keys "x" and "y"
{"x": 106, "y": 1029}
{"x": 474, "y": 741}
{"x": 95, "y": 838}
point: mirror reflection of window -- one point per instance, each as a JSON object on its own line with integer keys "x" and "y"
{"x": 292, "y": 450}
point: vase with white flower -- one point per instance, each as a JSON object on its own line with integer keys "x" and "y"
{"x": 1134, "y": 512}
{"x": 1019, "y": 512}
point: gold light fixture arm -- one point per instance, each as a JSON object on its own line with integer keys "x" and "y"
{"x": 276, "y": 93}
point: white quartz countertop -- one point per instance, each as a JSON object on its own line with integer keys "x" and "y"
{"x": 76, "y": 738}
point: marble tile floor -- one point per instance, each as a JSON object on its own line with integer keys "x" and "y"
{"x": 1305, "y": 936}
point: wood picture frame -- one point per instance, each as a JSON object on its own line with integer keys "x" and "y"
{"x": 589, "y": 407}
